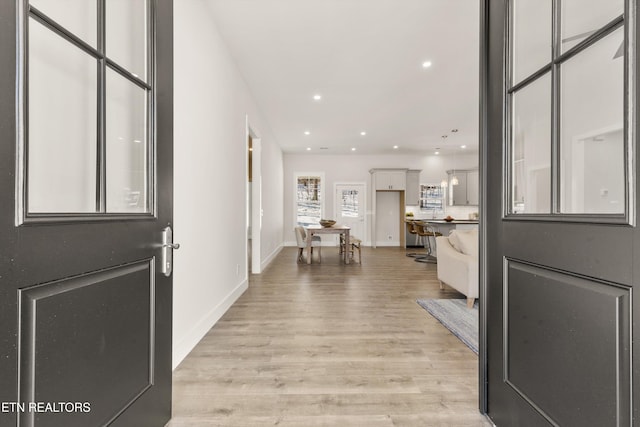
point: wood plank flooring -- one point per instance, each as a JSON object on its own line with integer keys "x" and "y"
{"x": 331, "y": 345}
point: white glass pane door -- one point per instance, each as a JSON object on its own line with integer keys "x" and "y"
{"x": 62, "y": 126}
{"x": 350, "y": 207}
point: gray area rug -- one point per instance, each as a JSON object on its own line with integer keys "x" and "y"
{"x": 455, "y": 316}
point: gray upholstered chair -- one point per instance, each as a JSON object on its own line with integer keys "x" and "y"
{"x": 301, "y": 239}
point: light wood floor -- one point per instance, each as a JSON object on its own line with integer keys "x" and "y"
{"x": 331, "y": 345}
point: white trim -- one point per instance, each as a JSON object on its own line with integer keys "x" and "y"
{"x": 182, "y": 348}
{"x": 271, "y": 256}
{"x": 256, "y": 198}
{"x": 389, "y": 243}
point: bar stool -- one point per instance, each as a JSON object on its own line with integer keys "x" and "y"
{"x": 426, "y": 231}
{"x": 413, "y": 228}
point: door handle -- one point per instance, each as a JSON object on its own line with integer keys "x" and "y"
{"x": 167, "y": 251}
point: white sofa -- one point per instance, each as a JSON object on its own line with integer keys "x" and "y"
{"x": 458, "y": 262}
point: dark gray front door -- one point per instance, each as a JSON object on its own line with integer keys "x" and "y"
{"x": 560, "y": 212}
{"x": 85, "y": 191}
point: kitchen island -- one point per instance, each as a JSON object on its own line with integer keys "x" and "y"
{"x": 442, "y": 226}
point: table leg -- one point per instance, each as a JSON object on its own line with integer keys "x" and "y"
{"x": 347, "y": 246}
{"x": 309, "y": 239}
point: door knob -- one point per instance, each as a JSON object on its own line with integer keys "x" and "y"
{"x": 167, "y": 251}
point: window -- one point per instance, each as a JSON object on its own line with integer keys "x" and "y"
{"x": 431, "y": 197}
{"x": 309, "y": 203}
{"x": 87, "y": 96}
{"x": 568, "y": 141}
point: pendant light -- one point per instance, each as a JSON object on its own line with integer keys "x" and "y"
{"x": 454, "y": 178}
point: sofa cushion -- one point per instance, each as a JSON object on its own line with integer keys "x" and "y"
{"x": 454, "y": 239}
{"x": 468, "y": 242}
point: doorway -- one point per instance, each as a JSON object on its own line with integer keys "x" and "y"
{"x": 350, "y": 207}
{"x": 254, "y": 201}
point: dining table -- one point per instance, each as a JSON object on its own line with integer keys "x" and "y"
{"x": 334, "y": 229}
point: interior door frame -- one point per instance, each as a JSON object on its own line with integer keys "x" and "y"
{"x": 256, "y": 198}
{"x": 484, "y": 206}
{"x": 336, "y": 205}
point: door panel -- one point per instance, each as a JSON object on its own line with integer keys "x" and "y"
{"x": 558, "y": 295}
{"x": 84, "y": 308}
{"x": 544, "y": 341}
{"x": 105, "y": 319}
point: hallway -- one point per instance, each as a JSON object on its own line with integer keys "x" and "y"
{"x": 331, "y": 345}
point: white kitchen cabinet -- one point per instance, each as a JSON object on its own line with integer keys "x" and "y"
{"x": 466, "y": 192}
{"x": 390, "y": 180}
{"x": 412, "y": 192}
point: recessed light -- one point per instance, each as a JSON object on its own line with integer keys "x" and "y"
{"x": 324, "y": 148}
{"x": 308, "y": 148}
{"x": 306, "y": 132}
{"x": 437, "y": 153}
{"x": 353, "y": 149}
{"x": 463, "y": 146}
{"x": 317, "y": 97}
{"x": 395, "y": 147}
{"x": 426, "y": 64}
{"x": 363, "y": 133}
{"x": 454, "y": 130}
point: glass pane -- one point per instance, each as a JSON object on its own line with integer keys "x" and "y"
{"x": 349, "y": 205}
{"x": 78, "y": 16}
{"x": 127, "y": 146}
{"x": 531, "y": 37}
{"x": 581, "y": 18}
{"x": 126, "y": 29}
{"x": 309, "y": 194}
{"x": 62, "y": 125}
{"x": 432, "y": 197}
{"x": 531, "y": 148}
{"x": 592, "y": 142}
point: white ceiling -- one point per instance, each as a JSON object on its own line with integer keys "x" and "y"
{"x": 365, "y": 58}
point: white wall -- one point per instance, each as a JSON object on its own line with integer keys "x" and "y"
{"x": 212, "y": 102}
{"x": 355, "y": 168}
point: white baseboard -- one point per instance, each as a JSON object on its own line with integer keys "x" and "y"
{"x": 182, "y": 348}
{"x": 388, "y": 243}
{"x": 324, "y": 243}
{"x": 270, "y": 257}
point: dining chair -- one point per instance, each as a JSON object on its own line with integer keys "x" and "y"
{"x": 354, "y": 244}
{"x": 301, "y": 239}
